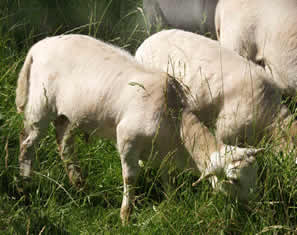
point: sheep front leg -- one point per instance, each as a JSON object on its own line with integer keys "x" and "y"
{"x": 65, "y": 140}
{"x": 287, "y": 134}
{"x": 284, "y": 130}
{"x": 130, "y": 172}
{"x": 129, "y": 151}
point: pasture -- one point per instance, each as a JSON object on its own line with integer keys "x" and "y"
{"x": 50, "y": 205}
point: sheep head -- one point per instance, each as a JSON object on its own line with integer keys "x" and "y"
{"x": 232, "y": 170}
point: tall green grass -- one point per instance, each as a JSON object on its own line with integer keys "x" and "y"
{"x": 51, "y": 205}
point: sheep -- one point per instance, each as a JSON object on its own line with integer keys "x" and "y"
{"x": 77, "y": 81}
{"x": 230, "y": 94}
{"x": 191, "y": 15}
{"x": 264, "y": 32}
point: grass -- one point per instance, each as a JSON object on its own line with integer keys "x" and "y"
{"x": 53, "y": 206}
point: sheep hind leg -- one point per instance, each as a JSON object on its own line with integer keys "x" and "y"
{"x": 65, "y": 141}
{"x": 29, "y": 138}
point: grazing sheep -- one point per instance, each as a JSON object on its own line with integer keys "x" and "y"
{"x": 264, "y": 31}
{"x": 79, "y": 82}
{"x": 191, "y": 15}
{"x": 230, "y": 94}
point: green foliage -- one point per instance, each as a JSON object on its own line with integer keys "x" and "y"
{"x": 31, "y": 20}
{"x": 50, "y": 205}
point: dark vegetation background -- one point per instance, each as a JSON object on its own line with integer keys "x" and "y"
{"x": 31, "y": 20}
{"x": 50, "y": 205}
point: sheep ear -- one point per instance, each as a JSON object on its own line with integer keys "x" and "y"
{"x": 243, "y": 153}
{"x": 247, "y": 154}
{"x": 250, "y": 155}
{"x": 202, "y": 177}
{"x": 254, "y": 152}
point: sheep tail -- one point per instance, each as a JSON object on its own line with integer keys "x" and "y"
{"x": 23, "y": 85}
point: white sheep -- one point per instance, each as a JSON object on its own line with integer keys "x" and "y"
{"x": 79, "y": 82}
{"x": 190, "y": 15}
{"x": 263, "y": 31}
{"x": 230, "y": 94}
